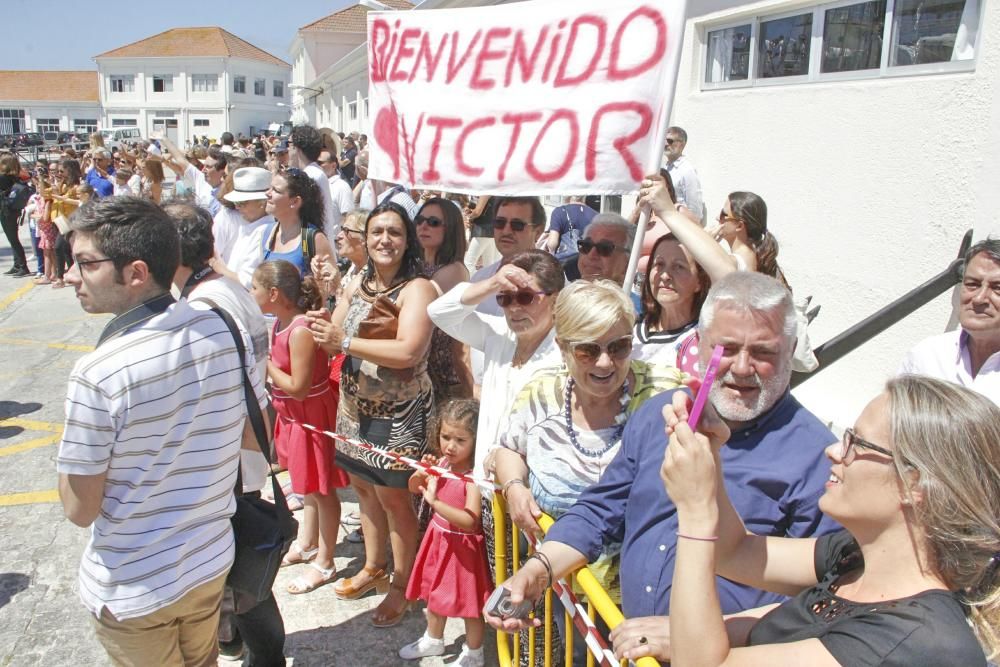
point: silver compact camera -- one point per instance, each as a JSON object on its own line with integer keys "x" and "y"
{"x": 499, "y": 604}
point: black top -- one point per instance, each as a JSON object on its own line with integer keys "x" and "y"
{"x": 928, "y": 629}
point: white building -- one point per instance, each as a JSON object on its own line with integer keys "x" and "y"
{"x": 871, "y": 129}
{"x": 192, "y": 81}
{"x": 48, "y": 101}
{"x": 329, "y": 76}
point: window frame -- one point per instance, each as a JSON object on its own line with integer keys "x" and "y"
{"x": 165, "y": 79}
{"x": 241, "y": 80}
{"x": 263, "y": 87}
{"x": 124, "y": 122}
{"x": 89, "y": 126}
{"x": 209, "y": 83}
{"x": 44, "y": 125}
{"x": 277, "y": 88}
{"x": 352, "y": 110}
{"x": 123, "y": 79}
{"x": 814, "y": 75}
{"x": 201, "y": 122}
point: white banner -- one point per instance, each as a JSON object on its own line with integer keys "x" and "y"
{"x": 530, "y": 98}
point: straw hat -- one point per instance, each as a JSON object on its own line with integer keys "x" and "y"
{"x": 249, "y": 183}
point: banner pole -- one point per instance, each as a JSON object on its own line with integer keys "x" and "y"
{"x": 653, "y": 166}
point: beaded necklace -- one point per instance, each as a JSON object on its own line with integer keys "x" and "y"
{"x": 619, "y": 420}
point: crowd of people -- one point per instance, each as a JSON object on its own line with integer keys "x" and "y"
{"x": 489, "y": 338}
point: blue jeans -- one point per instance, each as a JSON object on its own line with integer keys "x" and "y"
{"x": 39, "y": 257}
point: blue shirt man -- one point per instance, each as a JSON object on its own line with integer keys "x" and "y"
{"x": 103, "y": 187}
{"x": 772, "y": 464}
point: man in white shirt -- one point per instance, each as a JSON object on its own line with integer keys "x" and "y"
{"x": 305, "y": 143}
{"x": 155, "y": 420}
{"x": 682, "y": 173}
{"x": 340, "y": 190}
{"x": 205, "y": 183}
{"x": 970, "y": 355}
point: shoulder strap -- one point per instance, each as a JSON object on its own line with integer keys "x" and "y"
{"x": 308, "y": 245}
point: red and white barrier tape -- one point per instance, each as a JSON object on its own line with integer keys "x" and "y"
{"x": 581, "y": 619}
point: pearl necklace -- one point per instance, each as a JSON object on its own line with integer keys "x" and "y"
{"x": 619, "y": 419}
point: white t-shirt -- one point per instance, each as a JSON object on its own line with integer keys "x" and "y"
{"x": 238, "y": 242}
{"x": 331, "y": 225}
{"x": 343, "y": 199}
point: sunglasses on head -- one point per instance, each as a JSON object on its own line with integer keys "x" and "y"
{"x": 588, "y": 353}
{"x": 516, "y": 225}
{"x": 431, "y": 222}
{"x": 522, "y": 298}
{"x": 604, "y": 248}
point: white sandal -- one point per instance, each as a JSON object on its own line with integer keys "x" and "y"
{"x": 301, "y": 585}
{"x": 304, "y": 555}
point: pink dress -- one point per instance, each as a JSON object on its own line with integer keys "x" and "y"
{"x": 43, "y": 224}
{"x": 450, "y": 571}
{"x": 308, "y": 455}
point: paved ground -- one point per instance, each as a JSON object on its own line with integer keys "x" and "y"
{"x": 42, "y": 334}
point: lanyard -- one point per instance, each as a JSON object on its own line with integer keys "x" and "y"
{"x": 146, "y": 310}
{"x": 195, "y": 278}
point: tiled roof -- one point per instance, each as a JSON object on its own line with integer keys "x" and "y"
{"x": 48, "y": 86}
{"x": 352, "y": 19}
{"x": 188, "y": 42}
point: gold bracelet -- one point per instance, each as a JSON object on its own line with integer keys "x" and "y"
{"x": 516, "y": 480}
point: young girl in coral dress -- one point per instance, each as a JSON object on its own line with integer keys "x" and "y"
{"x": 298, "y": 370}
{"x": 450, "y": 572}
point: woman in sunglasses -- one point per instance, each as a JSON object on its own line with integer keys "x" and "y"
{"x": 514, "y": 346}
{"x": 913, "y": 578}
{"x": 441, "y": 234}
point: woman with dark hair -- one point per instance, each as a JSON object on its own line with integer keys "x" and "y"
{"x": 386, "y": 399}
{"x": 441, "y": 234}
{"x": 297, "y": 205}
{"x": 12, "y": 189}
{"x": 743, "y": 225}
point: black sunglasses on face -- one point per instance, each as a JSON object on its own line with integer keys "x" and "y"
{"x": 522, "y": 298}
{"x": 516, "y": 225}
{"x": 432, "y": 222}
{"x": 588, "y": 353}
{"x": 604, "y": 248}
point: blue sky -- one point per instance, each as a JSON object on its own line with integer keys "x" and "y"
{"x": 66, "y": 34}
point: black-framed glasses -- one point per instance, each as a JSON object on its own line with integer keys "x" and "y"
{"x": 429, "y": 221}
{"x": 348, "y": 230}
{"x": 590, "y": 352}
{"x": 516, "y": 225}
{"x": 85, "y": 262}
{"x": 521, "y": 297}
{"x": 852, "y": 441}
{"x": 604, "y": 248}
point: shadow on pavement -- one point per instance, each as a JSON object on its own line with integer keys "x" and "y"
{"x": 11, "y": 583}
{"x": 16, "y": 409}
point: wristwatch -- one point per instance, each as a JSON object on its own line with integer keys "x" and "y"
{"x": 345, "y": 344}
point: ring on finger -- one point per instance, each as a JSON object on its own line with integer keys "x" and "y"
{"x": 643, "y": 641}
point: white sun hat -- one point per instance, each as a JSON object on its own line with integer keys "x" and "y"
{"x": 249, "y": 183}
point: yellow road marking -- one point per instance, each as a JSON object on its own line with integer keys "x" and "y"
{"x": 50, "y": 324}
{"x": 15, "y": 295}
{"x": 58, "y": 346}
{"x": 30, "y": 444}
{"x": 29, "y": 498}
{"x": 32, "y": 425}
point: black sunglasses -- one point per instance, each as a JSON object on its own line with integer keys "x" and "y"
{"x": 522, "y": 298}
{"x": 432, "y": 222}
{"x": 588, "y": 353}
{"x": 516, "y": 225}
{"x": 604, "y": 248}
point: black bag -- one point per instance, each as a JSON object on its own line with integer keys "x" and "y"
{"x": 264, "y": 531}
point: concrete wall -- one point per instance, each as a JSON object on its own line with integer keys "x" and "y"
{"x": 870, "y": 185}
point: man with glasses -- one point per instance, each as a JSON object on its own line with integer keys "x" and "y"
{"x": 340, "y": 190}
{"x": 603, "y": 250}
{"x": 774, "y": 466}
{"x": 682, "y": 173}
{"x": 969, "y": 355}
{"x": 518, "y": 223}
{"x": 99, "y": 176}
{"x": 155, "y": 420}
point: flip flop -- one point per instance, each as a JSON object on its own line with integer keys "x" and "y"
{"x": 301, "y": 585}
{"x": 299, "y": 554}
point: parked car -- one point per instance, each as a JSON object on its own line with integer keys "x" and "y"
{"x": 114, "y": 137}
{"x": 33, "y": 139}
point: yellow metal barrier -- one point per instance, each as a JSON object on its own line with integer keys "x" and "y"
{"x": 598, "y": 600}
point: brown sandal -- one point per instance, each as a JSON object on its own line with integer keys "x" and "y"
{"x": 348, "y": 589}
{"x": 381, "y": 620}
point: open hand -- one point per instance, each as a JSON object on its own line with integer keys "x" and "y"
{"x": 647, "y": 636}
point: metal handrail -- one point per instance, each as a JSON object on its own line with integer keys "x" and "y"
{"x": 857, "y": 335}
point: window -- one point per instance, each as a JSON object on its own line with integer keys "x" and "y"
{"x": 201, "y": 122}
{"x": 278, "y": 89}
{"x": 783, "y": 46}
{"x": 84, "y": 125}
{"x": 12, "y": 121}
{"x": 163, "y": 83}
{"x": 46, "y": 124}
{"x": 123, "y": 122}
{"x": 728, "y": 54}
{"x": 204, "y": 83}
{"x": 366, "y": 107}
{"x": 844, "y": 39}
{"x": 259, "y": 86}
{"x": 852, "y": 37}
{"x": 122, "y": 83}
{"x": 352, "y": 110}
{"x": 239, "y": 84}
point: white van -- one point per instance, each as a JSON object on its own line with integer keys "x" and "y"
{"x": 114, "y": 137}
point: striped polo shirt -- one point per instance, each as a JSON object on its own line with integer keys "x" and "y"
{"x": 160, "y": 408}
